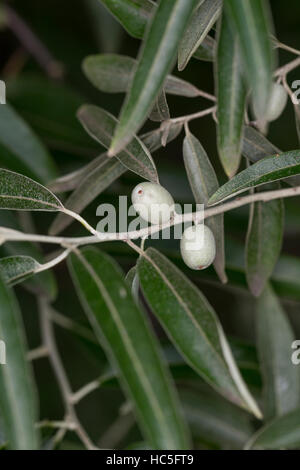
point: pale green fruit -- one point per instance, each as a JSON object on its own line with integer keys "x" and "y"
{"x": 198, "y": 247}
{"x": 277, "y": 103}
{"x": 153, "y": 203}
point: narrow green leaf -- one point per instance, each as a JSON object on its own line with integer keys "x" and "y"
{"x": 193, "y": 327}
{"x": 101, "y": 125}
{"x": 251, "y": 19}
{"x": 132, "y": 14}
{"x": 273, "y": 168}
{"x": 131, "y": 346}
{"x": 22, "y": 193}
{"x": 281, "y": 433}
{"x": 14, "y": 269}
{"x": 20, "y": 148}
{"x": 93, "y": 184}
{"x": 113, "y": 73}
{"x": 203, "y": 19}
{"x": 156, "y": 59}
{"x": 264, "y": 241}
{"x": 18, "y": 406}
{"x": 281, "y": 377}
{"x": 207, "y": 50}
{"x": 176, "y": 86}
{"x": 214, "y": 420}
{"x": 231, "y": 94}
{"x": 204, "y": 183}
{"x": 256, "y": 146}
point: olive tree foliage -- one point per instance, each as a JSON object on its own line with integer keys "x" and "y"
{"x": 200, "y": 386}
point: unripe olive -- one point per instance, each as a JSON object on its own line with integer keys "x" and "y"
{"x": 277, "y": 103}
{"x": 198, "y": 247}
{"x": 153, "y": 202}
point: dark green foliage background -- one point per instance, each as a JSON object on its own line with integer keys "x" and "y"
{"x": 71, "y": 33}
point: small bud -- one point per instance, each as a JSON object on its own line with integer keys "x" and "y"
{"x": 277, "y": 103}
{"x": 198, "y": 247}
{"x": 153, "y": 203}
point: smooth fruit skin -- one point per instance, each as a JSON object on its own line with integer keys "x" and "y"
{"x": 153, "y": 203}
{"x": 278, "y": 102}
{"x": 198, "y": 247}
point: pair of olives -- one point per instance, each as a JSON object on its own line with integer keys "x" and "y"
{"x": 156, "y": 205}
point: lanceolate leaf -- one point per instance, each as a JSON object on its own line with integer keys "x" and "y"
{"x": 251, "y": 19}
{"x": 273, "y": 168}
{"x": 256, "y": 146}
{"x": 113, "y": 73}
{"x": 156, "y": 58}
{"x": 231, "y": 93}
{"x": 201, "y": 22}
{"x": 22, "y": 193}
{"x": 204, "y": 183}
{"x": 131, "y": 346}
{"x": 20, "y": 148}
{"x": 192, "y": 325}
{"x": 17, "y": 391}
{"x": 14, "y": 269}
{"x": 274, "y": 339}
{"x": 132, "y": 14}
{"x": 107, "y": 171}
{"x": 264, "y": 240}
{"x": 101, "y": 125}
{"x": 281, "y": 433}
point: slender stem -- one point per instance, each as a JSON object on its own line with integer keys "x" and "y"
{"x": 68, "y": 425}
{"x": 80, "y": 219}
{"x": 37, "y": 353}
{"x": 287, "y": 48}
{"x": 206, "y": 95}
{"x": 62, "y": 379}
{"x": 53, "y": 262}
{"x": 190, "y": 117}
{"x": 287, "y": 68}
{"x": 11, "y": 235}
{"x": 89, "y": 388}
{"x": 71, "y": 325}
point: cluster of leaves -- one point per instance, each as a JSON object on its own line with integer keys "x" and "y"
{"x": 199, "y": 353}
